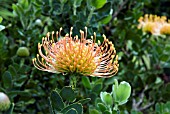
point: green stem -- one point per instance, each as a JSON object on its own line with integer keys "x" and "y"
{"x": 90, "y": 16}
{"x": 62, "y": 7}
{"x": 116, "y": 83}
{"x": 116, "y": 108}
{"x": 73, "y": 81}
{"x": 118, "y": 111}
{"x": 22, "y": 62}
{"x": 10, "y": 110}
{"x": 74, "y": 8}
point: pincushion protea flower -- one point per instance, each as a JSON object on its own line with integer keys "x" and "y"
{"x": 154, "y": 24}
{"x": 165, "y": 29}
{"x": 73, "y": 55}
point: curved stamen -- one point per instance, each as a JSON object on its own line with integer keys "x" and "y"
{"x": 77, "y": 55}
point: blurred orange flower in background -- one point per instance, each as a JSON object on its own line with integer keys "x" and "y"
{"x": 154, "y": 24}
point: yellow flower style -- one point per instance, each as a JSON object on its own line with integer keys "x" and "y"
{"x": 73, "y": 55}
{"x": 154, "y": 24}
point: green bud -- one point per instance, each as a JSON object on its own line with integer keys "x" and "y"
{"x": 38, "y": 22}
{"x": 23, "y": 52}
{"x": 121, "y": 92}
{"x": 4, "y": 102}
{"x": 106, "y": 98}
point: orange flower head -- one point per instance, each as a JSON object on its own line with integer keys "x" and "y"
{"x": 165, "y": 29}
{"x": 152, "y": 23}
{"x": 149, "y": 27}
{"x": 73, "y": 55}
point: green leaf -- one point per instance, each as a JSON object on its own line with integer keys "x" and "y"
{"x": 150, "y": 79}
{"x": 107, "y": 112}
{"x": 50, "y": 106}
{"x": 6, "y": 14}
{"x": 21, "y": 93}
{"x": 167, "y": 88}
{"x": 147, "y": 61}
{"x": 121, "y": 92}
{"x": 67, "y": 94}
{"x": 77, "y": 106}
{"x": 86, "y": 82}
{"x": 167, "y": 105}
{"x": 98, "y": 3}
{"x": 164, "y": 57}
{"x": 138, "y": 82}
{"x": 16, "y": 10}
{"x": 12, "y": 70}
{"x": 135, "y": 112}
{"x": 105, "y": 19}
{"x": 7, "y": 79}
{"x": 72, "y": 111}
{"x": 57, "y": 101}
{"x": 105, "y": 9}
{"x": 1, "y": 19}
{"x": 94, "y": 111}
{"x": 30, "y": 101}
{"x": 2, "y": 27}
{"x": 63, "y": 1}
{"x": 101, "y": 106}
{"x": 159, "y": 107}
{"x": 166, "y": 95}
{"x": 24, "y": 3}
{"x": 84, "y": 101}
{"x": 97, "y": 88}
{"x": 106, "y": 98}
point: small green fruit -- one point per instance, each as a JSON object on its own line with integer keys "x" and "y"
{"x": 4, "y": 102}
{"x": 23, "y": 52}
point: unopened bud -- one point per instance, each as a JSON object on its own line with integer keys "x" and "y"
{"x": 4, "y": 102}
{"x": 23, "y": 52}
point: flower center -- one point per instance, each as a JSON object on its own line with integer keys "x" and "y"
{"x": 76, "y": 56}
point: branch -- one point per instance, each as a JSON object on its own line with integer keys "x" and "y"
{"x": 119, "y": 9}
{"x": 146, "y": 106}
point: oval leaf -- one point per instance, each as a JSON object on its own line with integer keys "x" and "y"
{"x": 101, "y": 106}
{"x": 86, "y": 82}
{"x": 123, "y": 92}
{"x": 105, "y": 19}
{"x": 7, "y": 79}
{"x": 77, "y": 106}
{"x": 57, "y": 101}
{"x": 94, "y": 111}
{"x": 84, "y": 101}
{"x": 97, "y": 88}
{"x": 106, "y": 98}
{"x": 72, "y": 111}
{"x": 1, "y": 19}
{"x": 98, "y": 3}
{"x": 67, "y": 94}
